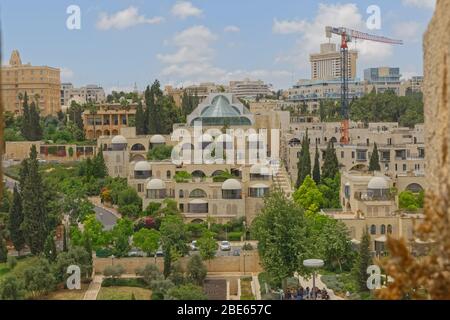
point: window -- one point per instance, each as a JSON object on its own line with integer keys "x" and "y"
{"x": 342, "y": 154}
{"x": 373, "y": 229}
{"x": 168, "y": 174}
{"x": 140, "y": 187}
{"x": 181, "y": 194}
{"x": 383, "y": 229}
{"x": 404, "y": 167}
{"x": 389, "y": 229}
{"x": 198, "y": 193}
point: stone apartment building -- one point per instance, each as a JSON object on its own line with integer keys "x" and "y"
{"x": 41, "y": 83}
{"x": 92, "y": 93}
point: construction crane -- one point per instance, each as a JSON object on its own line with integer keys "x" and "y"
{"x": 347, "y": 35}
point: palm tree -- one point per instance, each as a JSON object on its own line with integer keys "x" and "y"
{"x": 93, "y": 109}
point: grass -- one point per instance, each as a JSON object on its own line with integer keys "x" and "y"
{"x": 246, "y": 289}
{"x": 123, "y": 293}
{"x": 65, "y": 294}
{"x": 22, "y": 264}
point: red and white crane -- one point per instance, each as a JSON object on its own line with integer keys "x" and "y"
{"x": 347, "y": 35}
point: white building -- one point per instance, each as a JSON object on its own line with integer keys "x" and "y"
{"x": 81, "y": 95}
{"x": 249, "y": 88}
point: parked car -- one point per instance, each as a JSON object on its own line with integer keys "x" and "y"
{"x": 160, "y": 252}
{"x": 135, "y": 253}
{"x": 193, "y": 245}
{"x": 225, "y": 246}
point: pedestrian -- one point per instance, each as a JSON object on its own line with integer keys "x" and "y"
{"x": 307, "y": 293}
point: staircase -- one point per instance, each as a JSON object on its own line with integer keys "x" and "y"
{"x": 281, "y": 180}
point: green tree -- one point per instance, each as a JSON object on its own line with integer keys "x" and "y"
{"x": 281, "y": 231}
{"x": 363, "y": 261}
{"x": 410, "y": 201}
{"x": 3, "y": 250}
{"x": 147, "y": 240}
{"x": 94, "y": 230}
{"x": 39, "y": 279}
{"x": 26, "y": 122}
{"x": 129, "y": 196}
{"x": 330, "y": 165}
{"x": 149, "y": 273}
{"x": 337, "y": 248}
{"x": 114, "y": 272}
{"x": 304, "y": 163}
{"x": 316, "y": 169}
{"x": 186, "y": 292}
{"x": 35, "y": 208}
{"x": 77, "y": 256}
{"x": 141, "y": 123}
{"x": 50, "y": 248}
{"x": 374, "y": 164}
{"x": 207, "y": 245}
{"x": 99, "y": 167}
{"x": 11, "y": 288}
{"x": 196, "y": 270}
{"x": 308, "y": 196}
{"x": 15, "y": 221}
{"x": 173, "y": 238}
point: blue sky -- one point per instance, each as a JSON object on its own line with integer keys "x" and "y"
{"x": 182, "y": 42}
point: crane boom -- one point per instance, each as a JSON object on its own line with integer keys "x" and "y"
{"x": 347, "y": 35}
{"x": 353, "y": 34}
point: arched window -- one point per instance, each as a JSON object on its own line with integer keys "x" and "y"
{"x": 181, "y": 193}
{"x": 373, "y": 229}
{"x": 138, "y": 147}
{"x": 383, "y": 229}
{"x": 218, "y": 173}
{"x": 389, "y": 229}
{"x": 198, "y": 193}
{"x": 168, "y": 174}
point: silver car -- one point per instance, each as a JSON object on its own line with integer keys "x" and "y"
{"x": 225, "y": 246}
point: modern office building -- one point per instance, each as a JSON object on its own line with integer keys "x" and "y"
{"x": 89, "y": 93}
{"x": 326, "y": 65}
{"x": 41, "y": 83}
{"x": 249, "y": 88}
{"x": 382, "y": 79}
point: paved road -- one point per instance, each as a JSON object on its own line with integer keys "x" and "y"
{"x": 107, "y": 218}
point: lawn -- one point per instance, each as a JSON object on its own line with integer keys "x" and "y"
{"x": 246, "y": 289}
{"x": 123, "y": 293}
{"x": 65, "y": 294}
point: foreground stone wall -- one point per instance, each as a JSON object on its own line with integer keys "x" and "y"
{"x": 230, "y": 264}
{"x": 437, "y": 97}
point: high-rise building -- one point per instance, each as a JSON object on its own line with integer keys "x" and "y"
{"x": 41, "y": 83}
{"x": 249, "y": 88}
{"x": 326, "y": 65}
{"x": 93, "y": 93}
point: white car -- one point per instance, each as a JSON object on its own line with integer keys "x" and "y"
{"x": 193, "y": 245}
{"x": 225, "y": 246}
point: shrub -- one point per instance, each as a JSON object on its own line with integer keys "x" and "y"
{"x": 247, "y": 247}
{"x": 135, "y": 283}
{"x": 234, "y": 236}
{"x": 12, "y": 262}
{"x": 104, "y": 253}
{"x": 182, "y": 177}
{"x": 114, "y": 272}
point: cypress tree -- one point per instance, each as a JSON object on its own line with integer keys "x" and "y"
{"x": 35, "y": 125}
{"x": 3, "y": 250}
{"x": 140, "y": 120}
{"x": 35, "y": 212}
{"x": 330, "y": 165}
{"x": 99, "y": 167}
{"x": 88, "y": 247}
{"x": 65, "y": 249}
{"x": 304, "y": 165}
{"x": 316, "y": 169}
{"x": 374, "y": 164}
{"x": 364, "y": 261}
{"x": 15, "y": 221}
{"x": 26, "y": 123}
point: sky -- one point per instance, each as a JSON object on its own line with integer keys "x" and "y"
{"x": 123, "y": 42}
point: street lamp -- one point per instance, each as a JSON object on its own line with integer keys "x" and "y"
{"x": 313, "y": 264}
{"x": 112, "y": 260}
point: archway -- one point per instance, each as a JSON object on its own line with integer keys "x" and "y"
{"x": 360, "y": 168}
{"x": 414, "y": 188}
{"x": 138, "y": 147}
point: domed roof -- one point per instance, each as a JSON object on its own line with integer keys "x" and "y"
{"x": 119, "y": 140}
{"x": 157, "y": 139}
{"x": 231, "y": 184}
{"x": 142, "y": 166}
{"x": 156, "y": 184}
{"x": 378, "y": 183}
{"x": 221, "y": 107}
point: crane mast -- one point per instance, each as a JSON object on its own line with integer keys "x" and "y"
{"x": 347, "y": 35}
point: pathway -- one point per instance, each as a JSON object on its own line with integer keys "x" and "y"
{"x": 94, "y": 288}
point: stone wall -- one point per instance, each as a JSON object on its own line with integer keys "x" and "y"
{"x": 437, "y": 97}
{"x": 226, "y": 264}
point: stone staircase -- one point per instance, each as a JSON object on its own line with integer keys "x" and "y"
{"x": 281, "y": 180}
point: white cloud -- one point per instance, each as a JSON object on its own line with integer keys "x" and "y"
{"x": 288, "y": 26}
{"x": 66, "y": 74}
{"x": 427, "y": 4}
{"x": 408, "y": 30}
{"x": 184, "y": 9}
{"x": 232, "y": 29}
{"x": 311, "y": 33}
{"x": 193, "y": 61}
{"x": 125, "y": 19}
